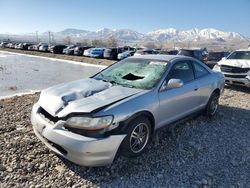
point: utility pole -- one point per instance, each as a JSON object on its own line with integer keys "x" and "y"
{"x": 36, "y": 36}
{"x": 49, "y": 32}
{"x": 52, "y": 38}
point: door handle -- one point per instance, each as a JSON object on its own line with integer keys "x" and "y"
{"x": 195, "y": 89}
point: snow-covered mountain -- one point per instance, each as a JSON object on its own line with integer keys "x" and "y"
{"x": 169, "y": 34}
{"x": 120, "y": 34}
{"x": 131, "y": 36}
{"x": 194, "y": 35}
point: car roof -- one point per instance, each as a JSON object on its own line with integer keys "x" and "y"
{"x": 160, "y": 57}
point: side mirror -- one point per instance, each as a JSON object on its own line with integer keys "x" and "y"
{"x": 172, "y": 83}
{"x": 223, "y": 59}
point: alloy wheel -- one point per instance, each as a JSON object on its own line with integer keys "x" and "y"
{"x": 139, "y": 137}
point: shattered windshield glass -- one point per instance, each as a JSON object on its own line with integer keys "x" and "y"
{"x": 137, "y": 73}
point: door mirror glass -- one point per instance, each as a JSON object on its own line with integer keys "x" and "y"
{"x": 174, "y": 83}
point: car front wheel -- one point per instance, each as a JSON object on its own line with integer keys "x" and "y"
{"x": 212, "y": 105}
{"x": 138, "y": 134}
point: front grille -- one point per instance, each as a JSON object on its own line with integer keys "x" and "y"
{"x": 225, "y": 68}
{"x": 234, "y": 76}
{"x": 48, "y": 116}
{"x": 240, "y": 83}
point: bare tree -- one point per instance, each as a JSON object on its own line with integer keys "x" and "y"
{"x": 150, "y": 45}
{"x": 85, "y": 42}
{"x": 98, "y": 43}
{"x": 112, "y": 41}
{"x": 67, "y": 40}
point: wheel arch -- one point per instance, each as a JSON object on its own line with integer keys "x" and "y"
{"x": 144, "y": 113}
{"x": 217, "y": 91}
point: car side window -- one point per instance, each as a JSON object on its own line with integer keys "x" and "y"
{"x": 199, "y": 70}
{"x": 181, "y": 70}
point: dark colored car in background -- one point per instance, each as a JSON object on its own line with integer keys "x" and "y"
{"x": 25, "y": 46}
{"x": 146, "y": 52}
{"x": 111, "y": 53}
{"x": 197, "y": 53}
{"x": 32, "y": 47}
{"x": 168, "y": 52}
{"x": 173, "y": 52}
{"x": 80, "y": 49}
{"x": 57, "y": 49}
{"x": 215, "y": 57}
{"x": 69, "y": 50}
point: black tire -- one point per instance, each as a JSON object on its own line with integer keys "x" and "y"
{"x": 135, "y": 143}
{"x": 212, "y": 105}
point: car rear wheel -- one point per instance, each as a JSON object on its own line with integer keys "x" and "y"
{"x": 212, "y": 105}
{"x": 138, "y": 134}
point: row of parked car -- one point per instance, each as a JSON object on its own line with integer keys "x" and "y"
{"x": 117, "y": 53}
{"x": 89, "y": 51}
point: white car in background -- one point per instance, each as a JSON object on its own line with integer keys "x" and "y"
{"x": 125, "y": 54}
{"x": 87, "y": 52}
{"x": 236, "y": 68}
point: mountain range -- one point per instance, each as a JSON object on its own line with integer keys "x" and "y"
{"x": 169, "y": 34}
{"x": 128, "y": 36}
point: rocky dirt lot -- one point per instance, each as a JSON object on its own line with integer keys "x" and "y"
{"x": 203, "y": 152}
{"x": 62, "y": 56}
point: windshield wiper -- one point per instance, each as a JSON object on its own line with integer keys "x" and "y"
{"x": 103, "y": 78}
{"x": 127, "y": 85}
{"x": 114, "y": 82}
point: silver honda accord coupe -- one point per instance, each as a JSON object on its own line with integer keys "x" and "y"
{"x": 87, "y": 121}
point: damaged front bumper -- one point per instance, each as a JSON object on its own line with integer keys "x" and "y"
{"x": 79, "y": 149}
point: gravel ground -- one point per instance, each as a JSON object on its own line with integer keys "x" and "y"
{"x": 63, "y": 56}
{"x": 203, "y": 152}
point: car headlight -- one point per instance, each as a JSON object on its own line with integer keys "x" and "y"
{"x": 89, "y": 123}
{"x": 248, "y": 77}
{"x": 216, "y": 67}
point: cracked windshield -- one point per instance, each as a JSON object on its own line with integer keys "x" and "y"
{"x": 136, "y": 73}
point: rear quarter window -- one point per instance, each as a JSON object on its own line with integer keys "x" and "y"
{"x": 199, "y": 70}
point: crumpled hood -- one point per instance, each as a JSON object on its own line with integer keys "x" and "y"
{"x": 82, "y": 96}
{"x": 236, "y": 63}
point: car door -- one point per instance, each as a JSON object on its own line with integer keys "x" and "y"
{"x": 203, "y": 82}
{"x": 176, "y": 103}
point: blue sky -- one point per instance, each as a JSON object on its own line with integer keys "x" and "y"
{"x": 19, "y": 16}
